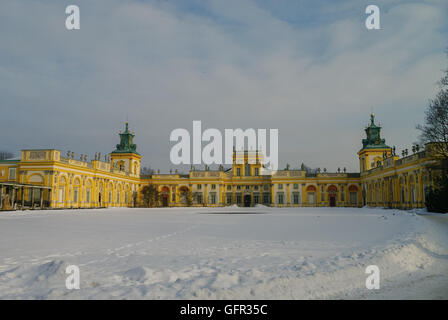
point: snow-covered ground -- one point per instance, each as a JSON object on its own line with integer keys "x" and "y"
{"x": 223, "y": 253}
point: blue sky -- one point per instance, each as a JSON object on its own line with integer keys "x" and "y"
{"x": 308, "y": 68}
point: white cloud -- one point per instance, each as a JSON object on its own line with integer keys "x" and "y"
{"x": 239, "y": 65}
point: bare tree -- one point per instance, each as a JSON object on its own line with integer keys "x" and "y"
{"x": 5, "y": 155}
{"x": 444, "y": 80}
{"x": 435, "y": 128}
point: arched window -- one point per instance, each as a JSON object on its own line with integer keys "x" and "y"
{"x": 353, "y": 192}
{"x": 413, "y": 195}
{"x": 391, "y": 191}
{"x": 61, "y": 191}
{"x": 88, "y": 192}
{"x": 377, "y": 191}
{"x": 402, "y": 191}
{"x": 311, "y": 194}
{"x": 76, "y": 192}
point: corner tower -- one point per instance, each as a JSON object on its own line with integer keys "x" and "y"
{"x": 125, "y": 157}
{"x": 374, "y": 149}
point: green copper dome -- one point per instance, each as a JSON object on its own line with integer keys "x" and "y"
{"x": 126, "y": 142}
{"x": 373, "y": 140}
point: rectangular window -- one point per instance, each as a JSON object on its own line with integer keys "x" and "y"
{"x": 280, "y": 198}
{"x": 213, "y": 186}
{"x": 12, "y": 174}
{"x": 238, "y": 198}
{"x": 256, "y": 171}
{"x": 199, "y": 186}
{"x": 229, "y": 198}
{"x": 213, "y": 198}
{"x": 266, "y": 187}
{"x": 238, "y": 172}
{"x": 296, "y": 186}
{"x": 296, "y": 198}
{"x": 229, "y": 187}
{"x": 238, "y": 187}
{"x": 37, "y": 194}
{"x": 255, "y": 187}
{"x": 256, "y": 198}
{"x": 199, "y": 198}
{"x": 266, "y": 198}
{"x": 280, "y": 187}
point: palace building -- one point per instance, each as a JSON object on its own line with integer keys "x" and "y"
{"x": 47, "y": 179}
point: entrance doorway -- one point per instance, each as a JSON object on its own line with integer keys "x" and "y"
{"x": 247, "y": 200}
{"x": 332, "y": 201}
{"x": 165, "y": 193}
{"x": 332, "y": 193}
{"x": 164, "y": 200}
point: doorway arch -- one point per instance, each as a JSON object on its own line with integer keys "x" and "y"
{"x": 247, "y": 200}
{"x": 164, "y": 194}
{"x": 332, "y": 195}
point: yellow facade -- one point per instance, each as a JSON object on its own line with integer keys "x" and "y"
{"x": 44, "y": 178}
